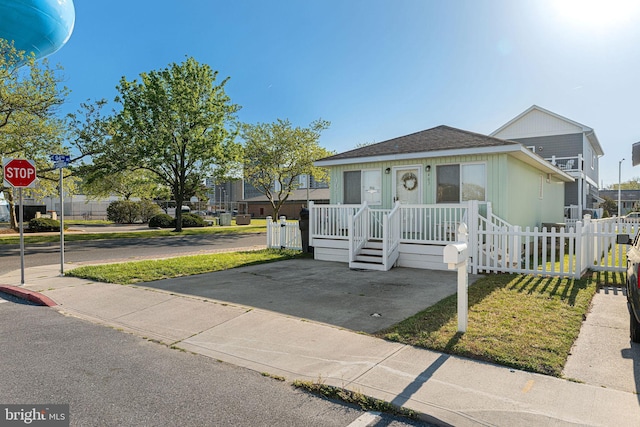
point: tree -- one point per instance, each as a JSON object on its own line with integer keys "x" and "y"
{"x": 125, "y": 184}
{"x": 276, "y": 154}
{"x": 632, "y": 184}
{"x": 609, "y": 207}
{"x": 176, "y": 123}
{"x": 29, "y": 128}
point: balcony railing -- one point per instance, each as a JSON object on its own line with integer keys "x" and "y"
{"x": 567, "y": 164}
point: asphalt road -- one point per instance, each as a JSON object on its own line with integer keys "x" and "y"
{"x": 110, "y": 378}
{"x": 123, "y": 249}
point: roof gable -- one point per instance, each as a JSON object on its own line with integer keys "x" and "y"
{"x": 440, "y": 138}
{"x": 536, "y": 121}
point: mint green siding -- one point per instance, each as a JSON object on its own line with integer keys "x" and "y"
{"x": 512, "y": 186}
{"x": 534, "y": 197}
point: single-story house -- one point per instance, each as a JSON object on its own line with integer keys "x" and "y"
{"x": 423, "y": 173}
{"x": 448, "y": 165}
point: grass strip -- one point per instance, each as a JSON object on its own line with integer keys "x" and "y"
{"x": 126, "y": 273}
{"x": 525, "y": 322}
{"x": 53, "y": 237}
{"x": 355, "y": 398}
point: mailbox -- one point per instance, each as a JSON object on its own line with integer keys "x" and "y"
{"x": 454, "y": 254}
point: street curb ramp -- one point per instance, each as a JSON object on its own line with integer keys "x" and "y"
{"x": 34, "y": 297}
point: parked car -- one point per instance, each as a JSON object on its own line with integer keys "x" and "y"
{"x": 633, "y": 284}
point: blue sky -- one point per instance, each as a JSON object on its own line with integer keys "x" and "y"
{"x": 378, "y": 69}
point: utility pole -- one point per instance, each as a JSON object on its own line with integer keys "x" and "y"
{"x": 619, "y": 183}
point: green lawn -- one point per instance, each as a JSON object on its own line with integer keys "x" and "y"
{"x": 526, "y": 322}
{"x": 256, "y": 226}
{"x": 146, "y": 271}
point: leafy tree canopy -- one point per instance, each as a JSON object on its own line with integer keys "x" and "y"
{"x": 276, "y": 154}
{"x": 632, "y": 184}
{"x": 177, "y": 123}
{"x": 30, "y": 94}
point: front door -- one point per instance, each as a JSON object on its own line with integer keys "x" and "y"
{"x": 408, "y": 185}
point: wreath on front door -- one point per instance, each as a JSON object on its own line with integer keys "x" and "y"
{"x": 409, "y": 181}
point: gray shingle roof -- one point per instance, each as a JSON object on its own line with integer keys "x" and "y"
{"x": 624, "y": 194}
{"x": 435, "y": 139}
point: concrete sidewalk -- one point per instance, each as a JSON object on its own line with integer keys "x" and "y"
{"x": 449, "y": 390}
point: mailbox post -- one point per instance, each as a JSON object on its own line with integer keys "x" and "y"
{"x": 455, "y": 255}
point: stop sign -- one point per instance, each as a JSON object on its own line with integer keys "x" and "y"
{"x": 19, "y": 172}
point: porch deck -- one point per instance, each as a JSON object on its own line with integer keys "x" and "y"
{"x": 415, "y": 236}
{"x": 406, "y": 236}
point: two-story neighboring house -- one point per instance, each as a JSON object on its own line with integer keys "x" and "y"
{"x": 571, "y": 146}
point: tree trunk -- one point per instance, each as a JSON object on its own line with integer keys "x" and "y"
{"x": 13, "y": 219}
{"x": 179, "y": 200}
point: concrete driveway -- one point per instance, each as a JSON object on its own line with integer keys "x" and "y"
{"x": 327, "y": 292}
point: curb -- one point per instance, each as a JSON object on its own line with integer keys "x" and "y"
{"x": 34, "y": 297}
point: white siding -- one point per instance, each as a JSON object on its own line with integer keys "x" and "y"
{"x": 537, "y": 123}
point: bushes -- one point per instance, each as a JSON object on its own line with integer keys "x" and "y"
{"x": 162, "y": 221}
{"x": 148, "y": 209}
{"x": 129, "y": 212}
{"x": 44, "y": 224}
{"x": 192, "y": 220}
{"x": 167, "y": 221}
{"x": 123, "y": 212}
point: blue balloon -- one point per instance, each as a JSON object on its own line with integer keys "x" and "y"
{"x": 38, "y": 26}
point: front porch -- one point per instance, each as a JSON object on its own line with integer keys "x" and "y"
{"x": 405, "y": 236}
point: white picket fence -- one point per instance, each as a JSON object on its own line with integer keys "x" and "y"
{"x": 283, "y": 234}
{"x": 494, "y": 246}
{"x": 566, "y": 252}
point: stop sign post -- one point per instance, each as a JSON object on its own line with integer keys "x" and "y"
{"x": 19, "y": 173}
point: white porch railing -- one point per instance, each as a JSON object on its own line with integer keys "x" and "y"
{"x": 358, "y": 231}
{"x": 330, "y": 221}
{"x": 391, "y": 237}
{"x": 494, "y": 245}
{"x": 432, "y": 223}
{"x": 418, "y": 223}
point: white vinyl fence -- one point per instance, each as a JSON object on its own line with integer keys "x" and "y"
{"x": 494, "y": 245}
{"x": 283, "y": 234}
{"x": 568, "y": 252}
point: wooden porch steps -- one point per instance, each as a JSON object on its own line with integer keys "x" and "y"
{"x": 370, "y": 257}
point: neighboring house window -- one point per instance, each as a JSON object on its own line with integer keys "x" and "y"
{"x": 456, "y": 183}
{"x": 361, "y": 186}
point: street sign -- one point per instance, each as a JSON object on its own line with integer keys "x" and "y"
{"x": 19, "y": 173}
{"x": 60, "y": 160}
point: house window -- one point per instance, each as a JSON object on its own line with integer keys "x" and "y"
{"x": 456, "y": 183}
{"x": 361, "y": 186}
